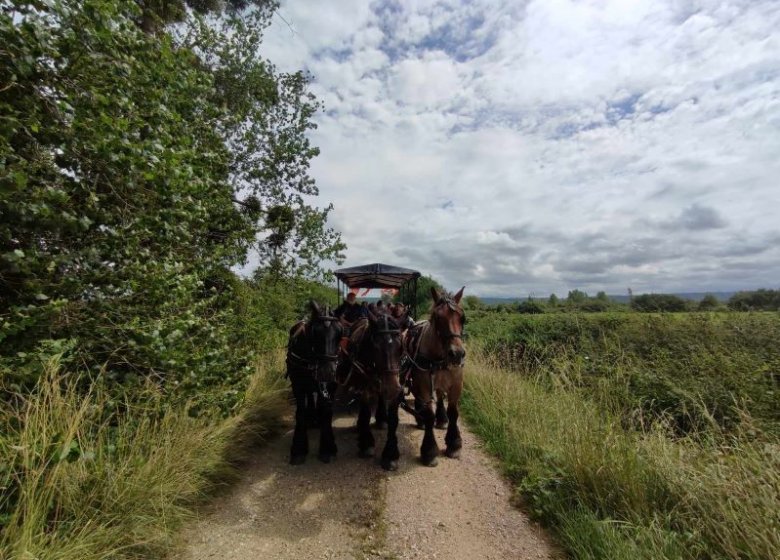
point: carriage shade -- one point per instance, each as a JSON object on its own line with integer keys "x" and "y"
{"x": 378, "y": 275}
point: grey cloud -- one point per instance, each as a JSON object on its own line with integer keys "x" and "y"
{"x": 697, "y": 217}
{"x": 560, "y": 173}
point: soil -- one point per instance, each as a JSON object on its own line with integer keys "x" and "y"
{"x": 352, "y": 509}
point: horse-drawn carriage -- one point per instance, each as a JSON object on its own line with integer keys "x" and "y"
{"x": 378, "y": 361}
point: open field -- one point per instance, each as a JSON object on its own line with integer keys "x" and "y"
{"x": 636, "y": 436}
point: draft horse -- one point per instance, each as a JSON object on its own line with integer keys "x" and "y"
{"x": 435, "y": 358}
{"x": 312, "y": 357}
{"x": 372, "y": 369}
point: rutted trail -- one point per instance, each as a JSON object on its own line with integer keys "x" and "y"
{"x": 352, "y": 509}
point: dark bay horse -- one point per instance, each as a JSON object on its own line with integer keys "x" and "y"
{"x": 372, "y": 370}
{"x": 312, "y": 356}
{"x": 435, "y": 358}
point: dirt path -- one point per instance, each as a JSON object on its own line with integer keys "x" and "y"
{"x": 351, "y": 509}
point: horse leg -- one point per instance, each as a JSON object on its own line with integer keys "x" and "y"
{"x": 381, "y": 413}
{"x": 391, "y": 454}
{"x": 366, "y": 440}
{"x": 300, "y": 441}
{"x": 418, "y": 408}
{"x": 441, "y": 415}
{"x": 452, "y": 437}
{"x": 312, "y": 400}
{"x": 429, "y": 450}
{"x": 328, "y": 447}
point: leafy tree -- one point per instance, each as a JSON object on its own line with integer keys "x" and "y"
{"x": 757, "y": 300}
{"x": 576, "y": 297}
{"x": 708, "y": 303}
{"x": 602, "y": 296}
{"x": 422, "y": 297}
{"x": 552, "y": 301}
{"x": 529, "y": 306}
{"x": 135, "y": 170}
{"x": 472, "y": 302}
{"x": 658, "y": 302}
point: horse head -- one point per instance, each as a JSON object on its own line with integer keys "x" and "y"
{"x": 386, "y": 345}
{"x": 447, "y": 320}
{"x": 325, "y": 333}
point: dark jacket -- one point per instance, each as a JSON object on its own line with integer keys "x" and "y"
{"x": 349, "y": 311}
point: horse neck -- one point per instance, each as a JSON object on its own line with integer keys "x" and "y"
{"x": 430, "y": 342}
{"x": 299, "y": 341}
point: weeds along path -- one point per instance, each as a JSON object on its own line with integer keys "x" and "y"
{"x": 351, "y": 509}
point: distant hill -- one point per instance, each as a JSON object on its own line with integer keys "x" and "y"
{"x": 694, "y": 296}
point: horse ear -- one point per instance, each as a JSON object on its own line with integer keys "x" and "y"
{"x": 435, "y": 294}
{"x": 315, "y": 308}
{"x": 459, "y": 295}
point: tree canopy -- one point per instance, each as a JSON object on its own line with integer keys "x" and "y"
{"x": 137, "y": 168}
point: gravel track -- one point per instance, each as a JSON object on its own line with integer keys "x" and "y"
{"x": 352, "y": 509}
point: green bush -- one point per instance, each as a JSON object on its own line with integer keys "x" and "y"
{"x": 615, "y": 493}
{"x": 693, "y": 368}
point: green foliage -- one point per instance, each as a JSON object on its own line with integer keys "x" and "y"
{"x": 422, "y": 297}
{"x": 576, "y": 297}
{"x": 471, "y": 302}
{"x": 691, "y": 369}
{"x": 708, "y": 303}
{"x": 81, "y": 483}
{"x": 758, "y": 300}
{"x": 530, "y": 306}
{"x": 615, "y": 493}
{"x": 658, "y": 302}
{"x": 135, "y": 170}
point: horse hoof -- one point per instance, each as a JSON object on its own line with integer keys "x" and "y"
{"x": 325, "y": 457}
{"x": 453, "y": 453}
{"x": 297, "y": 459}
{"x": 390, "y": 465}
{"x": 380, "y": 425}
{"x": 441, "y": 425}
{"x": 366, "y": 453}
{"x": 431, "y": 462}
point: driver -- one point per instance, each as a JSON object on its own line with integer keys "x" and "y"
{"x": 349, "y": 311}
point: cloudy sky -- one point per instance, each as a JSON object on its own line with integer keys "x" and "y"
{"x": 538, "y": 146}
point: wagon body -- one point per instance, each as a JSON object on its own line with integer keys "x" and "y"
{"x": 378, "y": 275}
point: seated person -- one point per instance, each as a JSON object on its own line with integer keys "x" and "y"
{"x": 349, "y": 311}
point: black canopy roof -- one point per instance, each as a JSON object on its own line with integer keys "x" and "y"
{"x": 376, "y": 275}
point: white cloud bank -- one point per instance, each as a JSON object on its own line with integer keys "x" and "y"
{"x": 541, "y": 146}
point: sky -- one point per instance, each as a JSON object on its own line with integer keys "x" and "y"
{"x": 532, "y": 147}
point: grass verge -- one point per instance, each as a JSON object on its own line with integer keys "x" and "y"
{"x": 78, "y": 483}
{"x": 613, "y": 493}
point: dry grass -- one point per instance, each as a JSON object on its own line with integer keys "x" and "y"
{"x": 83, "y": 484}
{"x": 614, "y": 493}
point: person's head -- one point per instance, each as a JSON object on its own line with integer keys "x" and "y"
{"x": 380, "y": 304}
{"x": 351, "y": 297}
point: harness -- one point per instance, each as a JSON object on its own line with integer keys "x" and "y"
{"x": 308, "y": 362}
{"x": 415, "y": 359}
{"x": 359, "y": 332}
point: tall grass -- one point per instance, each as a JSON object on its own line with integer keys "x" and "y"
{"x": 80, "y": 483}
{"x": 616, "y": 493}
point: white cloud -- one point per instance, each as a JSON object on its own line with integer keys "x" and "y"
{"x": 545, "y": 145}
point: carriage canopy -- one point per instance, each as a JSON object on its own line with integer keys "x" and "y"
{"x": 378, "y": 275}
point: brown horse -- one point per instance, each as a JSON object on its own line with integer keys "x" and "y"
{"x": 372, "y": 369}
{"x": 435, "y": 360}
